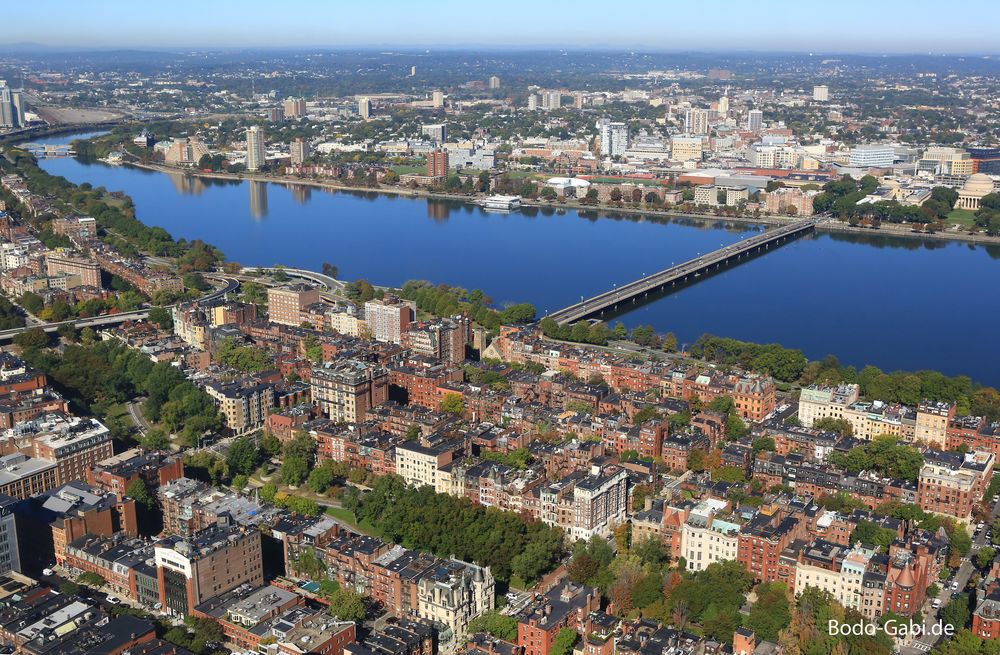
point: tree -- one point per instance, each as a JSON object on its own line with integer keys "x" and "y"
{"x": 669, "y": 343}
{"x": 453, "y": 403}
{"x": 650, "y": 552}
{"x": 320, "y": 479}
{"x": 90, "y": 579}
{"x": 161, "y": 317}
{"x": 347, "y": 605}
{"x": 548, "y": 193}
{"x": 840, "y": 426}
{"x": 960, "y": 542}
{"x": 269, "y": 445}
{"x": 496, "y": 624}
{"x": 243, "y": 456}
{"x": 771, "y": 613}
{"x": 563, "y": 643}
{"x": 294, "y": 470}
{"x": 33, "y": 338}
{"x": 139, "y": 492}
{"x": 985, "y": 555}
{"x": 330, "y": 269}
{"x": 871, "y": 534}
{"x": 956, "y": 613}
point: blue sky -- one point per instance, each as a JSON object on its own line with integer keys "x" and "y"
{"x": 913, "y": 26}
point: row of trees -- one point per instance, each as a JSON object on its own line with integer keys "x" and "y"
{"x": 884, "y": 455}
{"x": 444, "y": 300}
{"x": 95, "y": 377}
{"x": 455, "y": 527}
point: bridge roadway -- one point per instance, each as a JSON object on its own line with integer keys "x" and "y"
{"x": 641, "y": 288}
{"x": 232, "y": 284}
{"x": 327, "y": 281}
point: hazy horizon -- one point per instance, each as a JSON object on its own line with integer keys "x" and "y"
{"x": 779, "y": 26}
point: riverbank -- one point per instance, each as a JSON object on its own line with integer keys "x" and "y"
{"x": 420, "y": 192}
{"x": 904, "y": 231}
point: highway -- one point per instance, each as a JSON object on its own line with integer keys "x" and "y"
{"x": 232, "y": 284}
{"x": 681, "y": 272}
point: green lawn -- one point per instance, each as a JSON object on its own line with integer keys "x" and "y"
{"x": 348, "y": 517}
{"x": 410, "y": 170}
{"x": 120, "y": 411}
{"x": 964, "y": 217}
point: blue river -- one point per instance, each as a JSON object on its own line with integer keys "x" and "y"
{"x": 896, "y": 302}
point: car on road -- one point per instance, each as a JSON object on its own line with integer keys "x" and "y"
{"x": 48, "y": 572}
{"x": 936, "y": 604}
{"x": 114, "y": 600}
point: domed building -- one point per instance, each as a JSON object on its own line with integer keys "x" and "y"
{"x": 972, "y": 192}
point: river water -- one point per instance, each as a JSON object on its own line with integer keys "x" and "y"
{"x": 896, "y": 302}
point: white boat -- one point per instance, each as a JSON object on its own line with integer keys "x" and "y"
{"x": 501, "y": 203}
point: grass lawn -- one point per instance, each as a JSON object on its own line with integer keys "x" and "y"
{"x": 120, "y": 412}
{"x": 964, "y": 217}
{"x": 410, "y": 170}
{"x": 348, "y": 517}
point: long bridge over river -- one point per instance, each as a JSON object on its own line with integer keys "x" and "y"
{"x": 614, "y": 300}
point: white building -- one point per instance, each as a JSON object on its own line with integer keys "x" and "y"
{"x": 256, "y": 155}
{"x": 696, "y": 121}
{"x": 755, "y": 120}
{"x": 821, "y": 93}
{"x": 705, "y": 539}
{"x": 614, "y": 138}
{"x": 873, "y": 155}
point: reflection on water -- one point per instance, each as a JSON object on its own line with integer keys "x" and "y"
{"x": 301, "y": 193}
{"x": 258, "y": 199}
{"x": 897, "y": 302}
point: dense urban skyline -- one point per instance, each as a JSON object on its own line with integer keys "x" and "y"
{"x": 894, "y": 26}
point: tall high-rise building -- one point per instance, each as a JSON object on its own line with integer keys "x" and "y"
{"x": 494, "y": 82}
{"x": 436, "y": 132}
{"x": 532, "y": 102}
{"x": 295, "y": 107}
{"x": 437, "y": 99}
{"x": 299, "y": 150}
{"x": 389, "y": 318}
{"x": 256, "y": 155}
{"x": 11, "y": 107}
{"x": 413, "y": 71}
{"x": 821, "y": 93}
{"x": 755, "y": 120}
{"x": 275, "y": 114}
{"x": 614, "y": 137}
{"x": 578, "y": 99}
{"x": 723, "y": 106}
{"x": 696, "y": 121}
{"x": 552, "y": 100}
{"x": 364, "y": 108}
{"x": 437, "y": 163}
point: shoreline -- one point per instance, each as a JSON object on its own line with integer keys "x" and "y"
{"x": 891, "y": 230}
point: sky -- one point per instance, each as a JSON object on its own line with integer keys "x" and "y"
{"x": 844, "y": 26}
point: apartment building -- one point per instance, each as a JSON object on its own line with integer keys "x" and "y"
{"x": 346, "y": 390}
{"x": 244, "y": 404}
{"x": 585, "y": 504}
{"x": 419, "y": 465}
{"x": 705, "y": 539}
{"x": 817, "y": 402}
{"x": 22, "y": 476}
{"x": 115, "y": 474}
{"x": 451, "y": 595}
{"x": 75, "y": 445}
{"x": 58, "y": 263}
{"x": 286, "y": 304}
{"x": 564, "y": 606}
{"x": 833, "y": 568}
{"x": 205, "y": 565}
{"x": 932, "y": 423}
{"x": 389, "y": 318}
{"x": 443, "y": 340}
{"x": 953, "y": 483}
